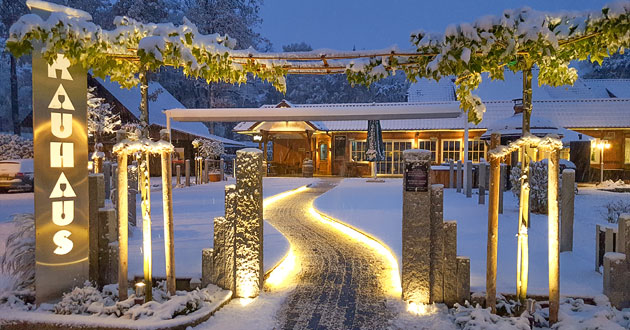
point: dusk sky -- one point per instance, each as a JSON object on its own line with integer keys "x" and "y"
{"x": 372, "y": 24}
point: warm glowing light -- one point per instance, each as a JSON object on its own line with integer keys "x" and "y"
{"x": 245, "y": 301}
{"x": 286, "y": 269}
{"x": 378, "y": 247}
{"x": 603, "y": 144}
{"x": 270, "y": 200}
{"x": 419, "y": 309}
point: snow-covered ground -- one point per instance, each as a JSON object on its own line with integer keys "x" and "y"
{"x": 376, "y": 208}
{"x": 194, "y": 209}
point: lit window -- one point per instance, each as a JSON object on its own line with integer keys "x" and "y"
{"x": 451, "y": 149}
{"x": 393, "y": 162}
{"x": 476, "y": 150}
{"x": 323, "y": 151}
{"x": 358, "y": 150}
{"x": 430, "y": 145}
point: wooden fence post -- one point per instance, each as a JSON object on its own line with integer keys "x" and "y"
{"x": 493, "y": 226}
{"x": 167, "y": 206}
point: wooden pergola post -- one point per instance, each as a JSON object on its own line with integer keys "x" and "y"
{"x": 167, "y": 204}
{"x": 145, "y": 194}
{"x": 554, "y": 236}
{"x": 123, "y": 218}
{"x": 493, "y": 225}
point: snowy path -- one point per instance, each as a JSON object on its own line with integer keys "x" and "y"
{"x": 339, "y": 285}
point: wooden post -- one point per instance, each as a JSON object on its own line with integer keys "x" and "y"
{"x": 522, "y": 264}
{"x": 123, "y": 214}
{"x": 493, "y": 226}
{"x": 167, "y": 206}
{"x": 145, "y": 195}
{"x": 187, "y": 172}
{"x": 554, "y": 237}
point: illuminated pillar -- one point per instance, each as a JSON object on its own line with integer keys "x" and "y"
{"x": 207, "y": 267}
{"x": 416, "y": 227}
{"x": 123, "y": 218}
{"x": 567, "y": 210}
{"x": 437, "y": 244}
{"x": 217, "y": 276}
{"x": 249, "y": 223}
{"x": 554, "y": 236}
{"x": 167, "y": 207}
{"x": 231, "y": 201}
{"x": 493, "y": 225}
{"x": 145, "y": 196}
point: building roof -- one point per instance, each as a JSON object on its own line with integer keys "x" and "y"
{"x": 163, "y": 100}
{"x": 617, "y": 88}
{"x": 594, "y": 113}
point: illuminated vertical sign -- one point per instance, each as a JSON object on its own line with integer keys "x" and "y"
{"x": 61, "y": 187}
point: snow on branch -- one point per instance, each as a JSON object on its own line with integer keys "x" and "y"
{"x": 143, "y": 145}
{"x": 550, "y": 142}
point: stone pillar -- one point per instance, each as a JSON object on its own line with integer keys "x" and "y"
{"x": 205, "y": 171}
{"x": 416, "y": 227}
{"x": 107, "y": 173}
{"x": 482, "y": 182}
{"x": 450, "y": 263}
{"x": 459, "y": 176}
{"x": 114, "y": 174}
{"x": 178, "y": 172}
{"x": 107, "y": 233}
{"x": 463, "y": 279}
{"x": 469, "y": 179}
{"x": 231, "y": 200}
{"x": 249, "y": 223}
{"x": 218, "y": 255}
{"x": 451, "y": 174}
{"x": 437, "y": 244}
{"x": 222, "y": 169}
{"x": 96, "y": 193}
{"x": 616, "y": 274}
{"x": 566, "y": 211}
{"x": 623, "y": 235}
{"x": 187, "y": 172}
{"x": 206, "y": 266}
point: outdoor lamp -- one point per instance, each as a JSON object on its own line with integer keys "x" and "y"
{"x": 139, "y": 293}
{"x": 601, "y": 145}
{"x": 257, "y": 138}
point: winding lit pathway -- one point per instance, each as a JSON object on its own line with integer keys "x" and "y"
{"x": 341, "y": 284}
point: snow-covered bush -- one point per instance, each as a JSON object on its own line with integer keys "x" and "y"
{"x": 15, "y": 147}
{"x": 537, "y": 184}
{"x": 208, "y": 148}
{"x": 79, "y": 300}
{"x": 18, "y": 259}
{"x": 615, "y": 209}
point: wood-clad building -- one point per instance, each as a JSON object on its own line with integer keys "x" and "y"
{"x": 338, "y": 147}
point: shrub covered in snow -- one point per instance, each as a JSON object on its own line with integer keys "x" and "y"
{"x": 79, "y": 300}
{"x": 208, "y": 148}
{"x": 615, "y": 209}
{"x": 18, "y": 259}
{"x": 537, "y": 184}
{"x": 15, "y": 147}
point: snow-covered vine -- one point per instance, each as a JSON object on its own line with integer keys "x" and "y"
{"x": 15, "y": 147}
{"x": 208, "y": 148}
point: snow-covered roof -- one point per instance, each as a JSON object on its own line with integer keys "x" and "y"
{"x": 619, "y": 88}
{"x": 428, "y": 90}
{"x": 163, "y": 100}
{"x": 596, "y": 113}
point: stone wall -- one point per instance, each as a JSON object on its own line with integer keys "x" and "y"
{"x": 617, "y": 267}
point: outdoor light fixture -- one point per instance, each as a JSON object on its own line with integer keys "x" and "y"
{"x": 139, "y": 293}
{"x": 257, "y": 138}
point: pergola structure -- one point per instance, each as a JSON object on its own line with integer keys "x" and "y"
{"x": 284, "y": 124}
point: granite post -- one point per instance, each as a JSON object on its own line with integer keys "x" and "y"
{"x": 107, "y": 173}
{"x": 617, "y": 267}
{"x": 451, "y": 174}
{"x": 178, "y": 173}
{"x": 463, "y": 280}
{"x": 207, "y": 270}
{"x": 502, "y": 181}
{"x": 450, "y": 263}
{"x": 469, "y": 179}
{"x": 187, "y": 172}
{"x": 482, "y": 182}
{"x": 458, "y": 176}
{"x": 107, "y": 233}
{"x": 249, "y": 223}
{"x": 567, "y": 210}
{"x": 96, "y": 199}
{"x": 416, "y": 227}
{"x": 436, "y": 275}
{"x": 229, "y": 245}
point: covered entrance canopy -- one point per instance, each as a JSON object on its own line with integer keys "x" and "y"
{"x": 298, "y": 133}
